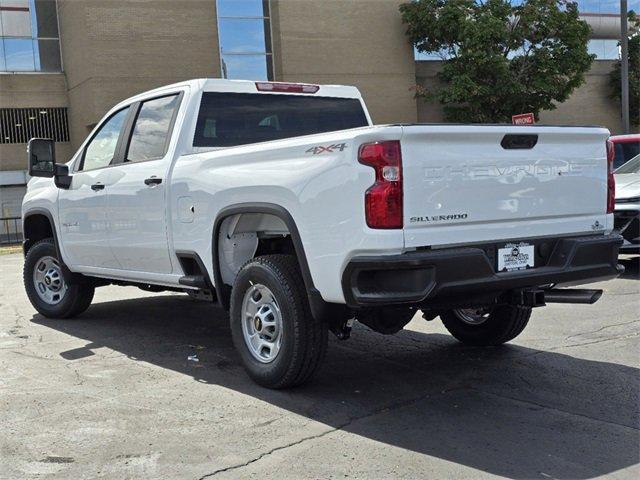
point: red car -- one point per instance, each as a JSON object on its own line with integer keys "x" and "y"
{"x": 626, "y": 147}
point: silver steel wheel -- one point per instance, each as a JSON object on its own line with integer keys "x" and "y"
{"x": 261, "y": 323}
{"x": 473, "y": 316}
{"x": 48, "y": 280}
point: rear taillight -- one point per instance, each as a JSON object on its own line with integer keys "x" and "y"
{"x": 286, "y": 87}
{"x": 611, "y": 182}
{"x": 383, "y": 200}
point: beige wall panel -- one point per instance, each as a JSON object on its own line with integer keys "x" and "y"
{"x": 588, "y": 105}
{"x": 81, "y": 112}
{"x": 354, "y": 42}
{"x": 148, "y": 38}
{"x": 77, "y": 54}
{"x": 426, "y": 77}
{"x": 13, "y": 156}
{"x": 33, "y": 90}
{"x": 114, "y": 49}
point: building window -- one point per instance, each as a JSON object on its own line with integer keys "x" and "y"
{"x": 434, "y": 57}
{"x": 244, "y": 33}
{"x": 29, "y": 40}
{"x": 604, "y": 49}
{"x": 19, "y": 125}
{"x": 600, "y": 6}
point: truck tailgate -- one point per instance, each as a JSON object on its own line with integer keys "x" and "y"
{"x": 466, "y": 184}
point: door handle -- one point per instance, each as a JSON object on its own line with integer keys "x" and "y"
{"x": 152, "y": 181}
{"x": 97, "y": 186}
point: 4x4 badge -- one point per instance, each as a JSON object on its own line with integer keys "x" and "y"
{"x": 328, "y": 148}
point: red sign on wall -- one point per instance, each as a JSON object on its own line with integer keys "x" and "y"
{"x": 523, "y": 119}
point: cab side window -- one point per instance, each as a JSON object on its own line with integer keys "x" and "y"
{"x": 152, "y": 129}
{"x": 102, "y": 148}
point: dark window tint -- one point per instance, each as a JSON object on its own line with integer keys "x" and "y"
{"x": 625, "y": 152}
{"x": 152, "y": 129}
{"x": 228, "y": 119}
{"x": 102, "y": 148}
{"x": 46, "y": 19}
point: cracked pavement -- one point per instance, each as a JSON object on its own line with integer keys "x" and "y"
{"x": 112, "y": 394}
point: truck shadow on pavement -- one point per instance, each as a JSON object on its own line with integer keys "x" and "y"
{"x": 510, "y": 411}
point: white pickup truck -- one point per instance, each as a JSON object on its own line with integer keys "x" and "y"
{"x": 285, "y": 205}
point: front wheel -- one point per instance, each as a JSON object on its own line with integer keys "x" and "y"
{"x": 486, "y": 326}
{"x": 50, "y": 292}
{"x": 280, "y": 343}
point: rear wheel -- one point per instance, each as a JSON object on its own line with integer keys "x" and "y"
{"x": 280, "y": 343}
{"x": 50, "y": 292}
{"x": 486, "y": 326}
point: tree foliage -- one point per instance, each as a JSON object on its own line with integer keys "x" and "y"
{"x": 615, "y": 80}
{"x": 500, "y": 57}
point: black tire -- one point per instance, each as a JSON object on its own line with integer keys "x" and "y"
{"x": 303, "y": 341}
{"x": 503, "y": 323}
{"x": 74, "y": 301}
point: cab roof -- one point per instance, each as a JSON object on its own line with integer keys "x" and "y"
{"x": 260, "y": 87}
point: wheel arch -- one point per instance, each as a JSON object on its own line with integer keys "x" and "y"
{"x": 223, "y": 290}
{"x": 38, "y": 224}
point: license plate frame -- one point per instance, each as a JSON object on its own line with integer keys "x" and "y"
{"x": 515, "y": 256}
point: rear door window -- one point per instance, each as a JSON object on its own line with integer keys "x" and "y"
{"x": 229, "y": 119}
{"x": 152, "y": 129}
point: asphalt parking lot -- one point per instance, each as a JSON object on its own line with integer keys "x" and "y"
{"x": 113, "y": 394}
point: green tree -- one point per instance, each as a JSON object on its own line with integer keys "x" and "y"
{"x": 615, "y": 81}
{"x": 500, "y": 57}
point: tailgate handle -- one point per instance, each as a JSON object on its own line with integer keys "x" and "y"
{"x": 519, "y": 142}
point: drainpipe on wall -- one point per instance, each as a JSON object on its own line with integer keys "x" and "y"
{"x": 624, "y": 65}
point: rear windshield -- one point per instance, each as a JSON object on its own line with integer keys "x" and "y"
{"x": 632, "y": 166}
{"x": 625, "y": 151}
{"x": 229, "y": 119}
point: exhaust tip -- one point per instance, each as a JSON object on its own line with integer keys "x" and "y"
{"x": 561, "y": 295}
{"x": 595, "y": 297}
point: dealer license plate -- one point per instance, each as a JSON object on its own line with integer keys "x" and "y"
{"x": 515, "y": 256}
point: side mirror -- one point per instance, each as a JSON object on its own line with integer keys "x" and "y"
{"x": 42, "y": 157}
{"x": 42, "y": 162}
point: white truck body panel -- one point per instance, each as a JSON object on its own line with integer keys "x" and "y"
{"x": 462, "y": 186}
{"x": 82, "y": 215}
{"x": 325, "y": 190}
{"x": 129, "y": 231}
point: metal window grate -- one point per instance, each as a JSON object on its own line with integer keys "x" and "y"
{"x": 19, "y": 125}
